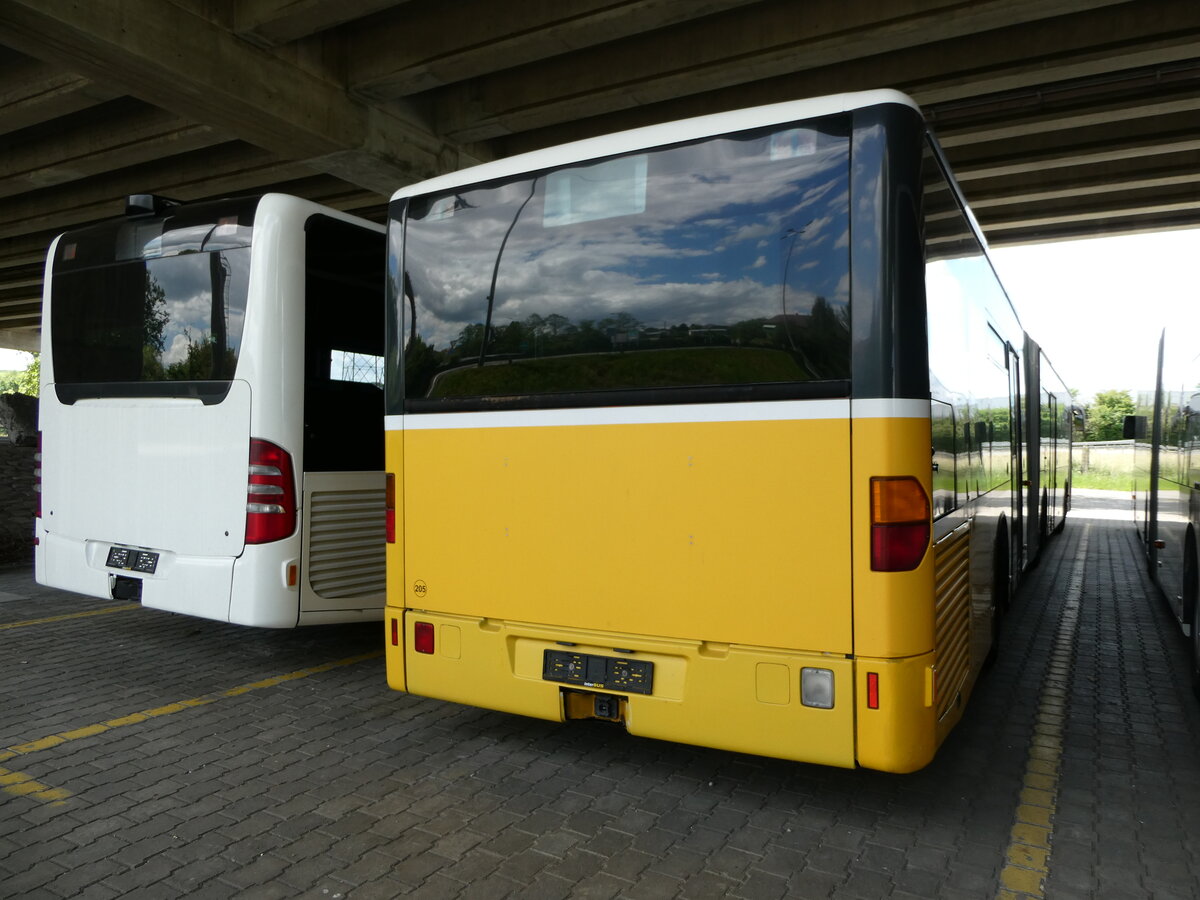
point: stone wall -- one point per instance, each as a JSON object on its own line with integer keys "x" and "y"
{"x": 17, "y": 503}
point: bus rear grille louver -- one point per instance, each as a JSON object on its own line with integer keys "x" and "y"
{"x": 952, "y": 622}
{"x": 346, "y": 543}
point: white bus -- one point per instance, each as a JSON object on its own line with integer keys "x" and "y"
{"x": 211, "y": 430}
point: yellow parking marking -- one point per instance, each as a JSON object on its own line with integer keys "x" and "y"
{"x": 1027, "y": 862}
{"x": 79, "y": 615}
{"x": 19, "y": 784}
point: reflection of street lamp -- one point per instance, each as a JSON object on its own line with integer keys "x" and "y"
{"x": 491, "y": 298}
{"x": 793, "y": 234}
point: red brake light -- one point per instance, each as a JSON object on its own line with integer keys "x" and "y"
{"x": 423, "y": 637}
{"x": 37, "y": 478}
{"x": 872, "y": 690}
{"x": 390, "y": 508}
{"x": 270, "y": 494}
{"x": 900, "y": 523}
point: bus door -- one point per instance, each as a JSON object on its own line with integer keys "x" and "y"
{"x": 1018, "y": 449}
{"x": 342, "y": 459}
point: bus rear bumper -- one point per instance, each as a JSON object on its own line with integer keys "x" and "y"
{"x": 731, "y": 697}
{"x": 195, "y": 586}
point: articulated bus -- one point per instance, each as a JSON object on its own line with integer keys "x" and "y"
{"x": 1058, "y": 422}
{"x": 1166, "y": 483}
{"x": 715, "y": 429}
{"x": 211, "y": 420}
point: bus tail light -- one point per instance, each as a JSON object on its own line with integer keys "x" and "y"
{"x": 390, "y": 507}
{"x": 423, "y": 637}
{"x": 900, "y": 523}
{"x": 270, "y": 494}
{"x": 872, "y": 690}
{"x": 37, "y": 478}
{"x": 816, "y": 687}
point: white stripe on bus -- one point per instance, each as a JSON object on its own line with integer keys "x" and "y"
{"x": 782, "y": 410}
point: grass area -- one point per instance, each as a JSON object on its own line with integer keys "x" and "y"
{"x": 613, "y": 371}
{"x": 1102, "y": 467}
{"x": 1097, "y": 480}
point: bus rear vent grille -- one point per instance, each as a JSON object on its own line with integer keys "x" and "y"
{"x": 346, "y": 543}
{"x": 952, "y": 622}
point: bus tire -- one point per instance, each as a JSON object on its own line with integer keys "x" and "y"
{"x": 1062, "y": 520}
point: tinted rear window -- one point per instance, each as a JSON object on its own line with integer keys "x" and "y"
{"x": 713, "y": 268}
{"x": 151, "y": 307}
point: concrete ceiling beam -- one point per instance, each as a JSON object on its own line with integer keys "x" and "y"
{"x": 116, "y": 135}
{"x": 228, "y": 169}
{"x": 434, "y": 43}
{"x": 34, "y": 92}
{"x": 29, "y": 340}
{"x": 212, "y": 76}
{"x": 938, "y": 75}
{"x": 272, "y": 23}
{"x": 720, "y": 51}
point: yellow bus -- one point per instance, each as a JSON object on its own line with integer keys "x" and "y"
{"x": 714, "y": 429}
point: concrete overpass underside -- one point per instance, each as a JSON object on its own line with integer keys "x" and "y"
{"x": 1062, "y": 118}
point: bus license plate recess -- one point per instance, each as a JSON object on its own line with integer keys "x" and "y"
{"x": 635, "y": 676}
{"x": 132, "y": 560}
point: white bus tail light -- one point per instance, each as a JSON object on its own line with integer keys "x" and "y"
{"x": 270, "y": 494}
{"x": 900, "y": 523}
{"x": 816, "y": 688}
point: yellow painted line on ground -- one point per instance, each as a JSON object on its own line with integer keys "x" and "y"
{"x": 1026, "y": 862}
{"x": 19, "y": 784}
{"x": 79, "y": 615}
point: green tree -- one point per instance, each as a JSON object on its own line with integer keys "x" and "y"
{"x": 1106, "y": 416}
{"x": 25, "y": 382}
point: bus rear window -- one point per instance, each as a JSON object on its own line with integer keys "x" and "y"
{"x": 164, "y": 326}
{"x": 698, "y": 272}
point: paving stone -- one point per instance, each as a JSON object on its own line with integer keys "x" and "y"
{"x": 333, "y": 783}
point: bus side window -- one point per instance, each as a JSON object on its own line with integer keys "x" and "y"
{"x": 942, "y": 437}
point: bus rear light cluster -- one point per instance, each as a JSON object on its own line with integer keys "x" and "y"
{"x": 270, "y": 494}
{"x": 872, "y": 690}
{"x": 37, "y": 478}
{"x": 390, "y": 507}
{"x": 423, "y": 637}
{"x": 816, "y": 688}
{"x": 900, "y": 523}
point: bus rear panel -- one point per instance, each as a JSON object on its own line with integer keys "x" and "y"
{"x": 660, "y": 434}
{"x": 198, "y": 451}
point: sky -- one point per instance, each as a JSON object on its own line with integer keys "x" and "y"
{"x": 13, "y": 360}
{"x": 1095, "y": 306}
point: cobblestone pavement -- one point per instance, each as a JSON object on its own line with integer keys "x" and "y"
{"x": 154, "y": 755}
